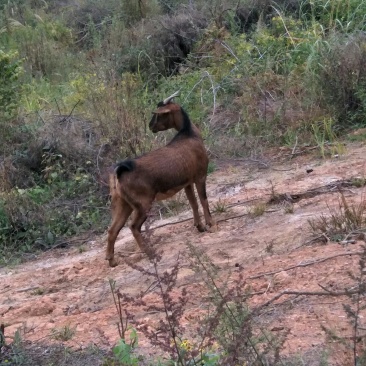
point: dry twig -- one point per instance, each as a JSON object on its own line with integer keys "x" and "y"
{"x": 310, "y": 263}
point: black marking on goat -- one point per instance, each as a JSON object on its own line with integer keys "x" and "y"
{"x": 187, "y": 126}
{"x": 124, "y": 166}
{"x": 161, "y": 104}
{"x": 186, "y": 129}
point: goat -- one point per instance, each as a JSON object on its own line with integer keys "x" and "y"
{"x": 158, "y": 175}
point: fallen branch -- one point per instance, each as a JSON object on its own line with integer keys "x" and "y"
{"x": 26, "y": 289}
{"x": 304, "y": 264}
{"x": 328, "y": 188}
{"x": 307, "y": 293}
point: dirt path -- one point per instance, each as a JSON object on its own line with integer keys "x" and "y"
{"x": 66, "y": 287}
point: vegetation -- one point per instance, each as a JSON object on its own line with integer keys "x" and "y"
{"x": 78, "y": 82}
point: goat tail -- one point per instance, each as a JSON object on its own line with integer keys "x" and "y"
{"x": 124, "y": 166}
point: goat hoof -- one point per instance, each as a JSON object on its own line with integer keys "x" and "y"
{"x": 213, "y": 228}
{"x": 200, "y": 228}
{"x": 113, "y": 262}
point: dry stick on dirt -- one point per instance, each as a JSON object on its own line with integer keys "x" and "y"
{"x": 307, "y": 293}
{"x": 304, "y": 264}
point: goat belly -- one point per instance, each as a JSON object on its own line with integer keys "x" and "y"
{"x": 170, "y": 193}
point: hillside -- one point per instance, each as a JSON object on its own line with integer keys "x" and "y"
{"x": 278, "y": 90}
{"x": 274, "y": 250}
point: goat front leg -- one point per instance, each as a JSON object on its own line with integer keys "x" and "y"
{"x": 201, "y": 190}
{"x": 121, "y": 211}
{"x": 193, "y": 202}
{"x": 139, "y": 217}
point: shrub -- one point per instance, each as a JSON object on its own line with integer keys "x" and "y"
{"x": 10, "y": 69}
{"x": 341, "y": 77}
{"x": 10, "y": 94}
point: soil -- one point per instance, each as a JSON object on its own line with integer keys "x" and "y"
{"x": 269, "y": 242}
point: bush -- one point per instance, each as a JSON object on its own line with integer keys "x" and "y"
{"x": 10, "y": 94}
{"x": 341, "y": 77}
{"x": 10, "y": 69}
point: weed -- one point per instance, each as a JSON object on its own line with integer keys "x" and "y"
{"x": 325, "y": 137}
{"x": 343, "y": 221}
{"x": 123, "y": 350}
{"x": 358, "y": 182}
{"x": 38, "y": 292}
{"x": 230, "y": 321}
{"x": 269, "y": 247}
{"x": 122, "y": 324}
{"x": 220, "y": 206}
{"x": 64, "y": 333}
{"x": 358, "y": 137}
{"x": 288, "y": 208}
{"x": 257, "y": 210}
{"x": 81, "y": 249}
{"x": 16, "y": 353}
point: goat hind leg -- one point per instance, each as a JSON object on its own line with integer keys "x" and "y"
{"x": 201, "y": 190}
{"x": 139, "y": 217}
{"x": 121, "y": 210}
{"x": 193, "y": 202}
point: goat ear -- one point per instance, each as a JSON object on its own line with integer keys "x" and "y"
{"x": 162, "y": 110}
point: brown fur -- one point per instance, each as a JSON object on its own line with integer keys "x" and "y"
{"x": 158, "y": 175}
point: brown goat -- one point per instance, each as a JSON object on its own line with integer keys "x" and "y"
{"x": 158, "y": 175}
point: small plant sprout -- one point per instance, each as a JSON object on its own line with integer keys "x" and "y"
{"x": 64, "y": 333}
{"x": 38, "y": 291}
{"x": 269, "y": 247}
{"x": 81, "y": 249}
{"x": 220, "y": 206}
{"x": 288, "y": 208}
{"x": 257, "y": 210}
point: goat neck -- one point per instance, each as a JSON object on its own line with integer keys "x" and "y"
{"x": 174, "y": 116}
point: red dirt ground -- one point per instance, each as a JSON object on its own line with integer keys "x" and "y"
{"x": 67, "y": 287}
